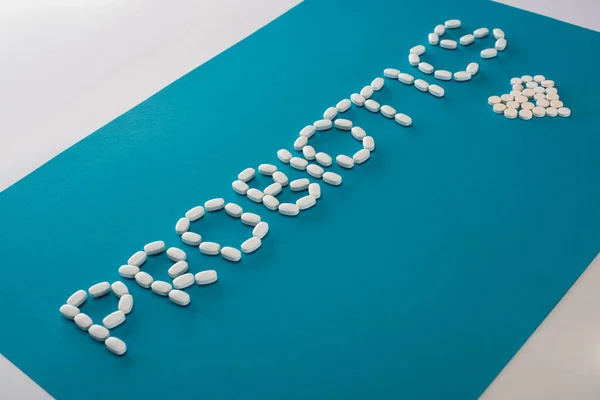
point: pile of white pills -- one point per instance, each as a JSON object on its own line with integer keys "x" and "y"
{"x": 434, "y": 39}
{"x": 531, "y": 96}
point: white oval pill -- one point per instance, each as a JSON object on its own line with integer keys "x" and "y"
{"x": 391, "y": 73}
{"x": 99, "y": 289}
{"x": 551, "y": 90}
{"x": 422, "y": 85}
{"x": 521, "y": 99}
{"x": 452, "y": 24}
{"x": 128, "y": 271}
{"x": 180, "y": 267}
{"x": 83, "y": 321}
{"x": 144, "y": 279}
{"x": 481, "y": 33}
{"x": 538, "y": 111}
{"x": 183, "y": 281}
{"x": 488, "y": 53}
{"x": 466, "y": 40}
{"x": 325, "y": 159}
{"x": 426, "y": 68}
{"x": 289, "y": 209}
{"x": 251, "y": 245}
{"x": 498, "y": 33}
{"x": 551, "y": 112}
{"x": 387, "y": 111}
{"x": 368, "y": 143}
{"x": 182, "y": 226}
{"x": 330, "y": 113}
{"x": 473, "y": 68}
{"x": 462, "y": 76}
{"x": 529, "y": 93}
{"x": 343, "y": 105}
{"x": 309, "y": 152}
{"x": 270, "y": 202}
{"x": 532, "y": 85}
{"x": 231, "y": 254}
{"x": 247, "y": 175}
{"x": 515, "y": 93}
{"x": 314, "y": 189}
{"x": 114, "y": 319}
{"x": 542, "y": 103}
{"x": 239, "y": 187}
{"x": 547, "y": 83}
{"x": 513, "y": 104}
{"x": 413, "y": 60}
{"x": 323, "y": 124}
{"x": 366, "y": 92}
{"x": 158, "y": 246}
{"x": 116, "y": 346}
{"x": 77, "y": 298}
{"x": 357, "y": 99}
{"x": 273, "y": 189}
{"x": 179, "y": 297}
{"x": 298, "y": 185}
{"x": 125, "y": 304}
{"x": 418, "y": 50}
{"x": 209, "y": 248}
{"x": 525, "y": 114}
{"x": 260, "y": 230}
{"x": 256, "y": 195}
{"x": 506, "y": 98}
{"x": 499, "y": 108}
{"x": 68, "y": 311}
{"x": 539, "y": 78}
{"x": 526, "y": 78}
{"x": 343, "y": 124}
{"x": 448, "y": 44}
{"x": 433, "y": 39}
{"x": 377, "y": 83}
{"x": 99, "y": 333}
{"x": 405, "y": 78}
{"x": 280, "y": 178}
{"x": 539, "y": 89}
{"x": 176, "y": 254}
{"x": 358, "y": 133}
{"x": 494, "y": 100}
{"x": 268, "y": 169}
{"x": 403, "y": 119}
{"x": 300, "y": 142}
{"x": 436, "y": 90}
{"x": 443, "y": 75}
{"x": 233, "y": 210}
{"x": 306, "y": 202}
{"x": 332, "y": 178}
{"x": 564, "y": 112}
{"x": 527, "y": 106}
{"x": 516, "y": 81}
{"x": 191, "y": 238}
{"x": 214, "y": 204}
{"x": 161, "y": 288}
{"x": 556, "y": 104}
{"x": 316, "y": 171}
{"x": 372, "y": 105}
{"x": 517, "y": 87}
{"x": 344, "y": 161}
{"x": 361, "y": 156}
{"x": 284, "y": 155}
{"x": 299, "y": 163}
{"x": 206, "y": 277}
{"x": 440, "y": 30}
{"x": 137, "y": 259}
{"x": 510, "y": 113}
{"x": 250, "y": 219}
{"x": 119, "y": 289}
{"x": 500, "y": 44}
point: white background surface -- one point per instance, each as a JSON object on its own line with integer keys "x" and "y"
{"x": 72, "y": 66}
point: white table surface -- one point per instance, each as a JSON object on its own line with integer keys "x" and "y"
{"x": 78, "y": 64}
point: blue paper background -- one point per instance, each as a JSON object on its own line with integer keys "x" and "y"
{"x": 418, "y": 278}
